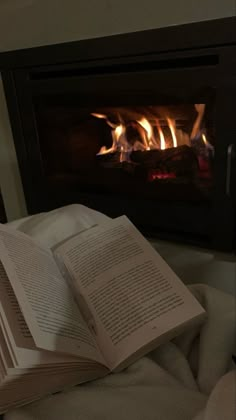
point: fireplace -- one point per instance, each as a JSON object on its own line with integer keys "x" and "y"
{"x": 163, "y": 152}
{"x": 129, "y": 124}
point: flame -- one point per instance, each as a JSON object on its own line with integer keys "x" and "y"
{"x": 152, "y": 135}
{"x": 104, "y": 117}
{"x": 104, "y": 150}
{"x": 118, "y": 131}
{"x": 149, "y": 140}
{"x": 94, "y": 114}
{"x": 204, "y": 139}
{"x": 162, "y": 139}
{"x": 147, "y": 127}
{"x": 200, "y": 108}
{"x": 161, "y": 135}
{"x": 171, "y": 125}
{"x": 207, "y": 144}
{"x": 122, "y": 154}
{"x": 116, "y": 139}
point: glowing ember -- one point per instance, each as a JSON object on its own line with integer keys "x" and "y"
{"x": 154, "y": 175}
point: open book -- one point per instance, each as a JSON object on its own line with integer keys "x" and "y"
{"x": 92, "y": 305}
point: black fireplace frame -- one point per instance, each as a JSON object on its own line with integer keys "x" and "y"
{"x": 202, "y": 46}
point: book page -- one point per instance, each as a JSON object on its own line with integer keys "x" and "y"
{"x": 132, "y": 295}
{"x": 47, "y": 303}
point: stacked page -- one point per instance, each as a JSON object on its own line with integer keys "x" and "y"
{"x": 28, "y": 372}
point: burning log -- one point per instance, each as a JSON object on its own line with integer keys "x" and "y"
{"x": 113, "y": 161}
{"x": 181, "y": 161}
{"x": 109, "y": 160}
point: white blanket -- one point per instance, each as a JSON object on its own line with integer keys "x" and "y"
{"x": 181, "y": 380}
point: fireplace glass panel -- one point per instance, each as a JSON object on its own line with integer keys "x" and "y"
{"x": 152, "y": 151}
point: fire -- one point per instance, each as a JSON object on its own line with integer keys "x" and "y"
{"x": 162, "y": 138}
{"x": 171, "y": 125}
{"x": 207, "y": 144}
{"x": 118, "y": 131}
{"x": 149, "y": 140}
{"x": 148, "y": 131}
{"x": 200, "y": 108}
{"x": 153, "y": 133}
{"x": 116, "y": 140}
{"x": 102, "y": 116}
{"x": 122, "y": 154}
{"x": 204, "y": 139}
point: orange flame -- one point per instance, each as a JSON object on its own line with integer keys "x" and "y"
{"x": 150, "y": 141}
{"x": 104, "y": 117}
{"x": 207, "y": 143}
{"x": 200, "y": 108}
{"x": 99, "y": 115}
{"x": 118, "y": 131}
{"x": 116, "y": 137}
{"x": 204, "y": 139}
{"x": 162, "y": 139}
{"x": 152, "y": 135}
{"x": 149, "y": 133}
{"x": 122, "y": 154}
{"x": 161, "y": 135}
{"x": 171, "y": 125}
